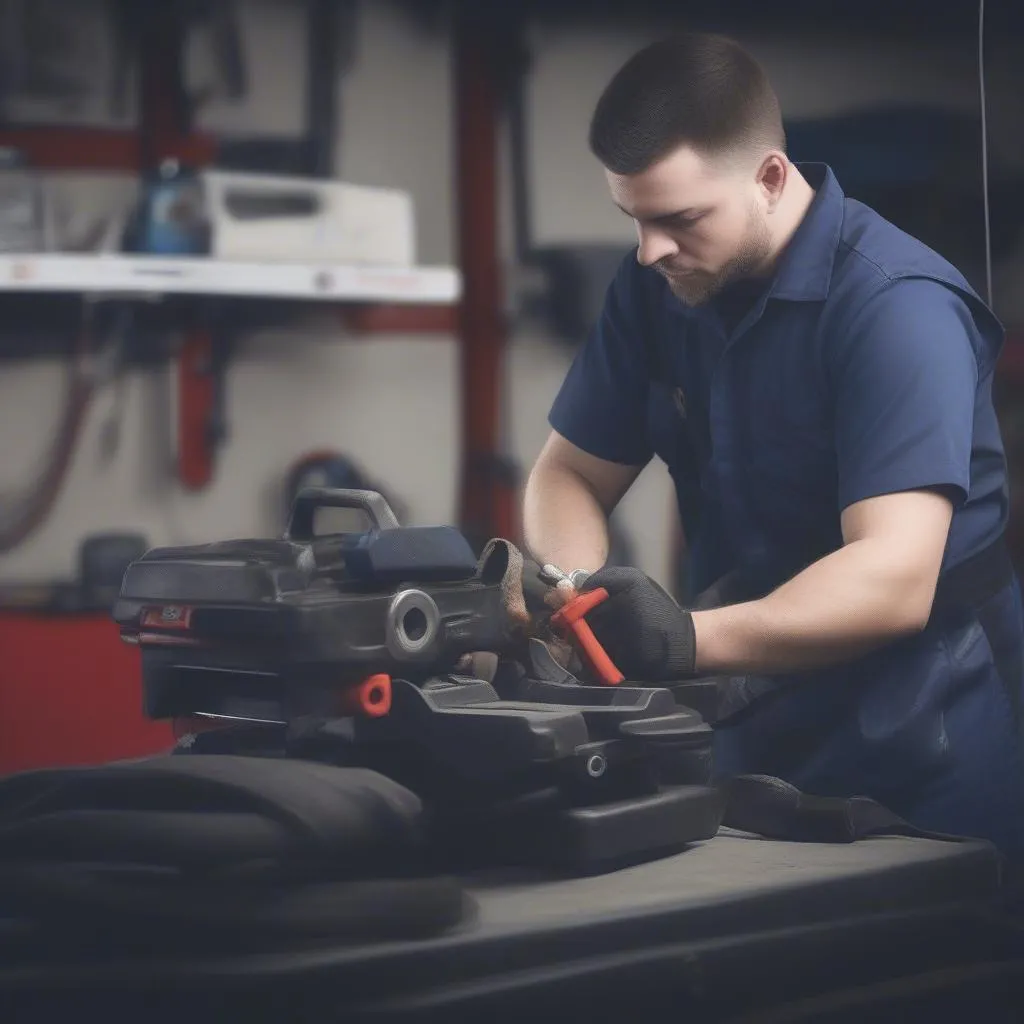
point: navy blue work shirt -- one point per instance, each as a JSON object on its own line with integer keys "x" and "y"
{"x": 864, "y": 366}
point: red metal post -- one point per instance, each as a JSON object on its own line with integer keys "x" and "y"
{"x": 489, "y": 498}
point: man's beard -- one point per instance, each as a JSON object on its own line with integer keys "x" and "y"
{"x": 700, "y": 287}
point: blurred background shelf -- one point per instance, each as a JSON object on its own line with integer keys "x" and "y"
{"x": 147, "y": 275}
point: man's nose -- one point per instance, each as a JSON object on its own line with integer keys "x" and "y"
{"x": 654, "y": 246}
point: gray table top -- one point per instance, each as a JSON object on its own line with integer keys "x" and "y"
{"x": 731, "y": 891}
{"x": 735, "y": 868}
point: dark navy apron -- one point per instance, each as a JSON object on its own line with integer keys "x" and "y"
{"x": 930, "y": 726}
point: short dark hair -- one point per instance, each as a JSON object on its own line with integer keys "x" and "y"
{"x": 694, "y": 88}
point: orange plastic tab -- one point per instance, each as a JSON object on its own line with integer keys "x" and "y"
{"x": 371, "y": 698}
{"x": 570, "y": 620}
{"x": 168, "y": 616}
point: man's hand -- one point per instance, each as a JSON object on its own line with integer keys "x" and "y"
{"x": 644, "y": 632}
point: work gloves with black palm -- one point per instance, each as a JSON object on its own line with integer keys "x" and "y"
{"x": 645, "y": 633}
{"x": 648, "y": 636}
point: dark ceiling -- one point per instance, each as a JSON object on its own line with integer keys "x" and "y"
{"x": 904, "y": 18}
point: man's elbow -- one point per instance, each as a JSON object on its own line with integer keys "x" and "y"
{"x": 911, "y": 607}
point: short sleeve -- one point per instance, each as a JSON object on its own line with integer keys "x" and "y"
{"x": 601, "y": 406}
{"x": 906, "y": 376}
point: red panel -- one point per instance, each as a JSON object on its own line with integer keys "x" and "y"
{"x": 70, "y": 693}
{"x": 196, "y": 397}
{"x": 99, "y": 149}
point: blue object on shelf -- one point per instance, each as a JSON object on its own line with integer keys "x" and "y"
{"x": 171, "y": 218}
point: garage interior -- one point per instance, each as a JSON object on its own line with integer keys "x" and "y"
{"x": 251, "y": 246}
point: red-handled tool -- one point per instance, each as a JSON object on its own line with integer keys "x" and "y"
{"x": 570, "y": 621}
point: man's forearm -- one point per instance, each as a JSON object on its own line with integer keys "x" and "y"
{"x": 563, "y": 522}
{"x": 853, "y": 600}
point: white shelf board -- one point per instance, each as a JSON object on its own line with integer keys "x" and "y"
{"x": 115, "y": 274}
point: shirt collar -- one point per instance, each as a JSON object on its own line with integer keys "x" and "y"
{"x": 804, "y": 271}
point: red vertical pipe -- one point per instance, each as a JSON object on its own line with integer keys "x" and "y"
{"x": 196, "y": 398}
{"x": 163, "y": 107}
{"x": 165, "y": 122}
{"x": 488, "y": 495}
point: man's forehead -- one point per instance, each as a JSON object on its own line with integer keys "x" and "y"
{"x": 681, "y": 180}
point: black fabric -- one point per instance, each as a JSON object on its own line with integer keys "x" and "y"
{"x": 220, "y": 849}
{"x": 642, "y": 629}
{"x": 770, "y": 807}
{"x": 180, "y": 812}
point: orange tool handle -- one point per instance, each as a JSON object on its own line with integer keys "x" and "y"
{"x": 570, "y": 620}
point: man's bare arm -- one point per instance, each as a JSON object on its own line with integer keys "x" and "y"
{"x": 880, "y": 585}
{"x": 569, "y": 496}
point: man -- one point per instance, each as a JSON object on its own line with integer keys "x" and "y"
{"x": 818, "y": 384}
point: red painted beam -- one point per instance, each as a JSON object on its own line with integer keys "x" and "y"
{"x": 101, "y": 149}
{"x": 196, "y": 399}
{"x": 489, "y": 492}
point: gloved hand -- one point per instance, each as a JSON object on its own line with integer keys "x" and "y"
{"x": 643, "y": 630}
{"x": 529, "y": 603}
{"x": 529, "y": 600}
{"x": 542, "y": 599}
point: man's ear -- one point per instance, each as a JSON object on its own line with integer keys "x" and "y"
{"x": 771, "y": 178}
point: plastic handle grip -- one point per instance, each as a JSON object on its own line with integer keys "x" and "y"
{"x": 309, "y": 499}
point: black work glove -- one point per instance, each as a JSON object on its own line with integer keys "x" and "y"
{"x": 642, "y": 629}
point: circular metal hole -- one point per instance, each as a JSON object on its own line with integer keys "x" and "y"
{"x": 596, "y": 766}
{"x": 414, "y": 623}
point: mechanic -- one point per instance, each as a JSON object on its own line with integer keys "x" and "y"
{"x": 819, "y": 386}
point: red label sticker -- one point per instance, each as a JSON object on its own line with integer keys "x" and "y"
{"x": 169, "y": 616}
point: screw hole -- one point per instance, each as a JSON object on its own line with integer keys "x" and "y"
{"x": 414, "y": 624}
